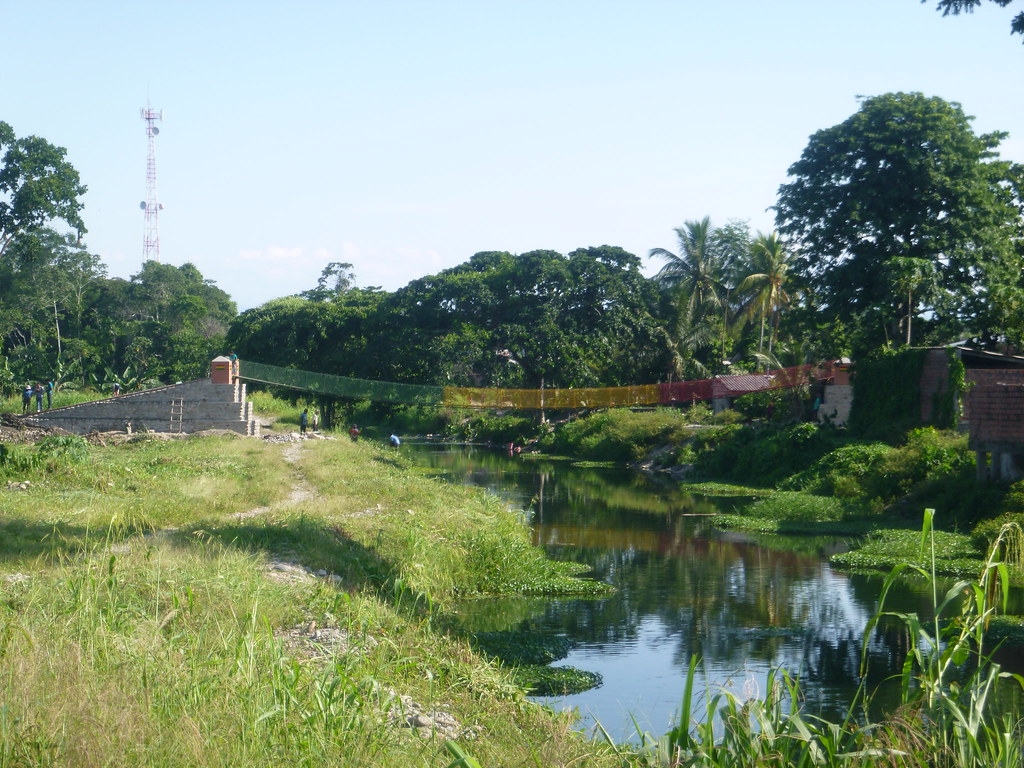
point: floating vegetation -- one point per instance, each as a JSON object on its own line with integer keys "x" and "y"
{"x": 528, "y": 655}
{"x": 888, "y": 549}
{"x": 518, "y": 647}
{"x": 726, "y": 490}
{"x": 555, "y": 681}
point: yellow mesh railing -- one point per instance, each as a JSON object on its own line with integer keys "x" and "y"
{"x": 674, "y": 393}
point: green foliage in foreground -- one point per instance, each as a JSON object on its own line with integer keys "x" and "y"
{"x": 154, "y": 612}
{"x": 159, "y": 607}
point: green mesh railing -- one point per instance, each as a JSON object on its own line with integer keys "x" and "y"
{"x": 521, "y": 399}
{"x": 341, "y": 386}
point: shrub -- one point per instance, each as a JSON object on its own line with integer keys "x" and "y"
{"x": 619, "y": 435}
{"x": 69, "y": 448}
{"x": 15, "y": 459}
{"x": 761, "y": 455}
{"x": 499, "y": 429}
{"x": 778, "y": 405}
{"x": 841, "y": 472}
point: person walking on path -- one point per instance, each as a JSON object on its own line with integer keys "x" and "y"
{"x": 316, "y": 420}
{"x": 49, "y": 395}
{"x": 303, "y": 421}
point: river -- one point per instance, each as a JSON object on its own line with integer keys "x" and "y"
{"x": 681, "y": 588}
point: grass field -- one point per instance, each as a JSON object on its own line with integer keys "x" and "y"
{"x": 222, "y": 601}
{"x": 219, "y": 601}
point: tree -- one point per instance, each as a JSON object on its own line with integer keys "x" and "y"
{"x": 702, "y": 277}
{"x": 46, "y": 284}
{"x": 903, "y": 178}
{"x": 500, "y": 320}
{"x": 696, "y": 271}
{"x": 325, "y": 336}
{"x": 37, "y": 186}
{"x": 166, "y": 323}
{"x": 908, "y": 276}
{"x": 336, "y": 278}
{"x": 769, "y": 265}
{"x": 955, "y": 7}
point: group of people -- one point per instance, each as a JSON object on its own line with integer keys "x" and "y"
{"x": 37, "y": 390}
{"x": 306, "y": 419}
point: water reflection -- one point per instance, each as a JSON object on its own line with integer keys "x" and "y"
{"x": 682, "y": 588}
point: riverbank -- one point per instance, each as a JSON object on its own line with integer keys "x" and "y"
{"x": 219, "y": 601}
{"x": 810, "y": 479}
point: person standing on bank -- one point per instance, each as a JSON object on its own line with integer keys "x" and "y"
{"x": 26, "y": 398}
{"x": 303, "y": 421}
{"x": 316, "y": 420}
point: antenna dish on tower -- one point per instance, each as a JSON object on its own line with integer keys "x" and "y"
{"x": 151, "y": 206}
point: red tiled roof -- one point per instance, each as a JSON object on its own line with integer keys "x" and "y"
{"x": 733, "y": 386}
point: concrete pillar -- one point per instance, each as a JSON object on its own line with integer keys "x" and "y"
{"x": 220, "y": 370}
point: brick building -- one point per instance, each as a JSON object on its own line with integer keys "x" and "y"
{"x": 993, "y": 413}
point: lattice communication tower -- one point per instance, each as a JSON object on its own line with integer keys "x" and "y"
{"x": 151, "y": 206}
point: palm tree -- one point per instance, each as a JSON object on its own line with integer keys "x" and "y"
{"x": 699, "y": 274}
{"x": 694, "y": 272}
{"x": 769, "y": 264}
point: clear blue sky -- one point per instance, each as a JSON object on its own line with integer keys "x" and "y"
{"x": 403, "y": 137}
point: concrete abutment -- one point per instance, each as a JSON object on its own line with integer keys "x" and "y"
{"x": 217, "y": 402}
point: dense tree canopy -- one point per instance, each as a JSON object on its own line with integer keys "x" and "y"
{"x": 63, "y": 319}
{"x": 328, "y": 336}
{"x": 901, "y": 210}
{"x": 898, "y": 224}
{"x": 37, "y": 186}
{"x": 586, "y": 319}
{"x": 955, "y": 7}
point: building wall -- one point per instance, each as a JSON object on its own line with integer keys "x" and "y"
{"x": 837, "y": 404}
{"x": 188, "y": 407}
{"x": 934, "y": 383}
{"x": 994, "y": 407}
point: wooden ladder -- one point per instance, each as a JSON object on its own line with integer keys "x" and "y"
{"x": 177, "y": 410}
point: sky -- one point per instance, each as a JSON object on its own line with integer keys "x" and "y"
{"x": 403, "y": 137}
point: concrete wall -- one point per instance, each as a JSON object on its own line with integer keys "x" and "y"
{"x": 836, "y": 404}
{"x": 188, "y": 407}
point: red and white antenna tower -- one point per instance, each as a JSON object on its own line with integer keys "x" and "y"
{"x": 151, "y": 206}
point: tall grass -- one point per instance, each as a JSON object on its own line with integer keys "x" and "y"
{"x": 140, "y": 625}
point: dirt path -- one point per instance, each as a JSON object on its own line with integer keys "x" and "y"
{"x": 301, "y": 491}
